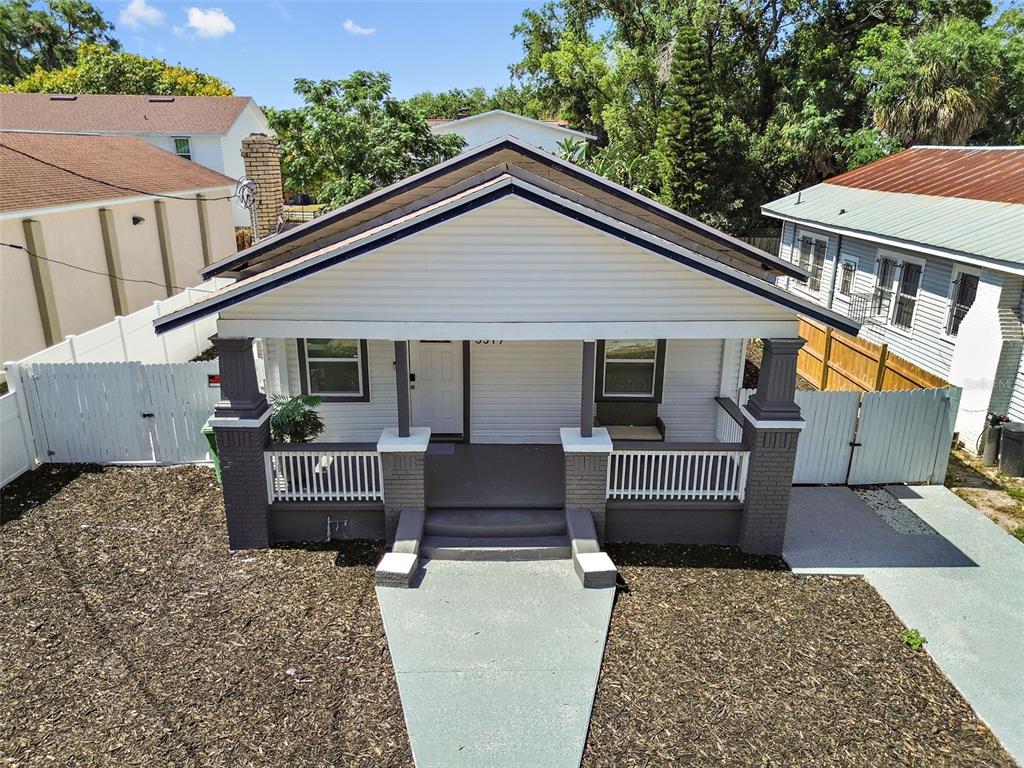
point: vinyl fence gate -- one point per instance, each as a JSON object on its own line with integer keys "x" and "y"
{"x": 851, "y": 438}
{"x": 119, "y": 412}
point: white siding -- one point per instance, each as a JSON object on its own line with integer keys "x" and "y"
{"x": 524, "y": 391}
{"x": 693, "y": 376}
{"x": 480, "y": 130}
{"x": 510, "y": 261}
{"x": 346, "y": 422}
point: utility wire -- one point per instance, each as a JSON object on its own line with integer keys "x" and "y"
{"x": 110, "y": 183}
{"x": 17, "y": 247}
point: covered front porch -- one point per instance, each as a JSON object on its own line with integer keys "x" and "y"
{"x": 637, "y": 490}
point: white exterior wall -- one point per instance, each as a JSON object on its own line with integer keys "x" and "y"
{"x": 523, "y": 391}
{"x": 509, "y": 261}
{"x": 345, "y": 422}
{"x": 484, "y": 128}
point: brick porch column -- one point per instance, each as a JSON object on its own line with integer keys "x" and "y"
{"x": 586, "y": 472}
{"x": 402, "y": 464}
{"x": 241, "y": 424}
{"x": 770, "y": 431}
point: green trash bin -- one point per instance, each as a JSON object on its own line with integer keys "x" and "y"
{"x": 211, "y": 438}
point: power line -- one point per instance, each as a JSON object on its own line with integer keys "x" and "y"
{"x": 17, "y": 247}
{"x": 110, "y": 183}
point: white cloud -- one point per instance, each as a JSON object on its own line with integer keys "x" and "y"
{"x": 210, "y": 23}
{"x": 354, "y": 29}
{"x": 139, "y": 13}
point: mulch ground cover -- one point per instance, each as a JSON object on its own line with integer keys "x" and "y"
{"x": 129, "y": 635}
{"x": 715, "y": 658}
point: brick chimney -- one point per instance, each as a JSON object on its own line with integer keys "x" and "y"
{"x": 262, "y": 157}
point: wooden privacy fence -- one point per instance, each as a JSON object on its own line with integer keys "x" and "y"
{"x": 116, "y": 412}
{"x": 833, "y": 360}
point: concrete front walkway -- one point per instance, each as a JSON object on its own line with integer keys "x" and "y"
{"x": 497, "y": 663}
{"x": 963, "y": 589}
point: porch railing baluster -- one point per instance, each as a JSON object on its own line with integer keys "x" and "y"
{"x": 677, "y": 475}
{"x": 323, "y": 476}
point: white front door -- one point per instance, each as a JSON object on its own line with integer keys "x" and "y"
{"x": 435, "y": 369}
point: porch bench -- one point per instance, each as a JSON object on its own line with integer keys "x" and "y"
{"x": 627, "y": 422}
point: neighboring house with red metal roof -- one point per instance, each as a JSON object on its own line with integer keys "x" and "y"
{"x": 98, "y": 226}
{"x": 926, "y": 249}
{"x": 206, "y": 129}
{"x": 486, "y": 126}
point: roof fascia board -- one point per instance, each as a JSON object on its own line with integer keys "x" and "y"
{"x": 895, "y": 242}
{"x": 494, "y": 192}
{"x": 767, "y": 260}
{"x": 29, "y": 212}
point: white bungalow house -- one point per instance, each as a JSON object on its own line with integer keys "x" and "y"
{"x": 205, "y": 129}
{"x": 498, "y": 340}
{"x": 925, "y": 248}
{"x": 487, "y": 126}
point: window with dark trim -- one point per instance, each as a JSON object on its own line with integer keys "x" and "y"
{"x": 965, "y": 291}
{"x": 846, "y": 275}
{"x": 183, "y": 147}
{"x": 335, "y": 369}
{"x": 630, "y": 369}
{"x": 881, "y": 301}
{"x": 812, "y": 259}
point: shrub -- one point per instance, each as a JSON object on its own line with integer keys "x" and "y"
{"x": 295, "y": 419}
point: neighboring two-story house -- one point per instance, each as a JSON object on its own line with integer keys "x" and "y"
{"x": 486, "y": 126}
{"x": 925, "y": 249}
{"x": 205, "y": 129}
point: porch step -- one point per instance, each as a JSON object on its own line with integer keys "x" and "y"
{"x": 496, "y": 548}
{"x": 495, "y": 523}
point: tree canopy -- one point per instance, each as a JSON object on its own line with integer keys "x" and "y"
{"x": 352, "y": 136}
{"x": 47, "y": 38}
{"x": 100, "y": 69}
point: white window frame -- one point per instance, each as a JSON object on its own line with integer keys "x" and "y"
{"x": 845, "y": 262}
{"x": 899, "y": 260}
{"x": 805, "y": 285}
{"x": 958, "y": 270}
{"x": 188, "y": 140}
{"x": 361, "y": 394}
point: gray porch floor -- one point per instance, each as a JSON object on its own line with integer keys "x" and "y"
{"x": 497, "y": 663}
{"x": 509, "y": 476}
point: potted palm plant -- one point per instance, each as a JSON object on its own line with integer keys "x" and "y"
{"x": 295, "y": 420}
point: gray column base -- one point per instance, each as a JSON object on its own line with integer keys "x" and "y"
{"x": 769, "y": 483}
{"x": 403, "y": 487}
{"x": 586, "y": 486}
{"x": 243, "y": 475}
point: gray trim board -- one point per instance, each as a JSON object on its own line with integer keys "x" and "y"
{"x": 402, "y": 387}
{"x": 467, "y": 401}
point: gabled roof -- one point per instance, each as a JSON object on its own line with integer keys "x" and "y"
{"x": 962, "y": 203}
{"x": 118, "y": 113}
{"x": 505, "y": 155}
{"x": 464, "y": 201}
{"x": 42, "y": 170}
{"x": 559, "y": 125}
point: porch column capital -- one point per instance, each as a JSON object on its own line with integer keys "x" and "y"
{"x": 240, "y": 393}
{"x": 774, "y": 399}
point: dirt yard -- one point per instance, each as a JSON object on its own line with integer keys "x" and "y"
{"x": 131, "y": 637}
{"x": 719, "y": 659}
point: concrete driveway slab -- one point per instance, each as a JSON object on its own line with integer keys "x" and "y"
{"x": 963, "y": 589}
{"x": 497, "y": 662}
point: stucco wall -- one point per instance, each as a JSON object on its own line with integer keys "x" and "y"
{"x": 84, "y": 300}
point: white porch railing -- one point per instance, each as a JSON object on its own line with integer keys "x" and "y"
{"x": 324, "y": 476}
{"x": 681, "y": 475}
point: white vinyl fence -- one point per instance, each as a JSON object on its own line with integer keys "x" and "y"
{"x": 26, "y": 438}
{"x": 873, "y": 438}
{"x": 118, "y": 412}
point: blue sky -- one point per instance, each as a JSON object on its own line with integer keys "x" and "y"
{"x": 261, "y": 46}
